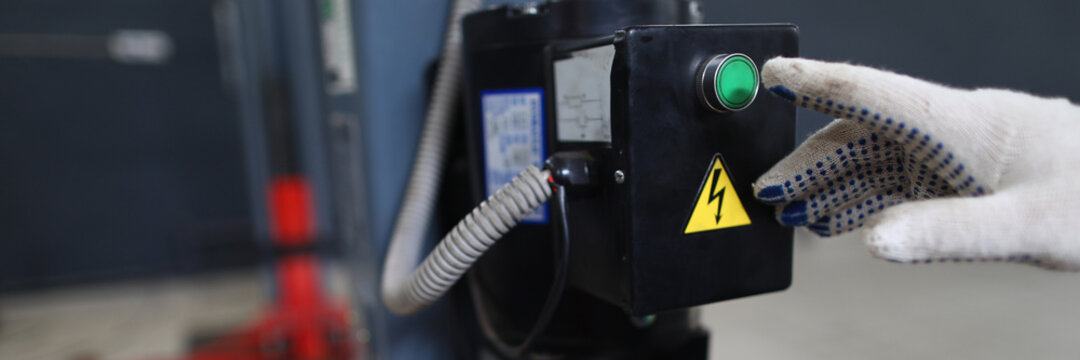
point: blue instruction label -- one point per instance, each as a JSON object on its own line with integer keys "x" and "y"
{"x": 513, "y": 138}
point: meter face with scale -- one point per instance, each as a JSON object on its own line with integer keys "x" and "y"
{"x": 583, "y": 95}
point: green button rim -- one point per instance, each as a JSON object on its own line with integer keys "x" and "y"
{"x": 727, "y": 99}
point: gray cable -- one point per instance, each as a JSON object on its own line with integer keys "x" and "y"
{"x": 469, "y": 239}
{"x": 407, "y": 240}
{"x": 551, "y": 304}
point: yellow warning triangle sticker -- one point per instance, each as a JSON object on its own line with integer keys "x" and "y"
{"x": 717, "y": 206}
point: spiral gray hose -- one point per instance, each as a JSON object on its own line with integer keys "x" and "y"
{"x": 473, "y": 235}
{"x": 420, "y": 194}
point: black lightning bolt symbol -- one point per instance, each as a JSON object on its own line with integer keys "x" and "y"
{"x": 713, "y": 195}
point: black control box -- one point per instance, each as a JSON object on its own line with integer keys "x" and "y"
{"x": 677, "y": 126}
{"x": 673, "y": 222}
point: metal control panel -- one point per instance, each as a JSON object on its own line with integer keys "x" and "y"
{"x": 673, "y": 127}
{"x": 676, "y": 127}
{"x": 672, "y": 221}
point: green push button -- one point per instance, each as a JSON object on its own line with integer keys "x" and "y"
{"x": 737, "y": 82}
{"x": 728, "y": 82}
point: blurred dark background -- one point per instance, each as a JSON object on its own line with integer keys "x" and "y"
{"x": 112, "y": 170}
{"x": 109, "y": 169}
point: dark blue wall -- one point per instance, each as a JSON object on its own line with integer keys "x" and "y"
{"x": 111, "y": 170}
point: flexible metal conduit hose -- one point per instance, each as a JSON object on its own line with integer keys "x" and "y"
{"x": 407, "y": 289}
{"x": 469, "y": 239}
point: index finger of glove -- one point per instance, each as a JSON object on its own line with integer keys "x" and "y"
{"x": 881, "y": 99}
{"x": 957, "y": 134}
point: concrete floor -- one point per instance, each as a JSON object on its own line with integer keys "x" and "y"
{"x": 843, "y": 304}
{"x": 131, "y": 320}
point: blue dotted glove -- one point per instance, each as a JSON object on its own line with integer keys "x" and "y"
{"x": 932, "y": 173}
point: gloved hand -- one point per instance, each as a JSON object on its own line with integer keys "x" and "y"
{"x": 931, "y": 173}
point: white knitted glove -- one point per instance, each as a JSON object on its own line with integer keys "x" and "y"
{"x": 932, "y": 173}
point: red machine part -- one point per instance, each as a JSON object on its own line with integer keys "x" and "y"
{"x": 302, "y": 324}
